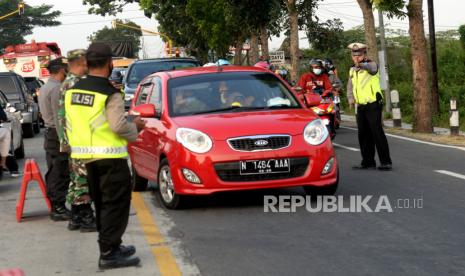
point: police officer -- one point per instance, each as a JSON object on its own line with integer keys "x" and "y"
{"x": 98, "y": 133}
{"x": 82, "y": 215}
{"x": 57, "y": 176}
{"x": 364, "y": 89}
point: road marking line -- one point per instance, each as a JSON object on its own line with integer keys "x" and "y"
{"x": 345, "y": 147}
{"x": 461, "y": 176}
{"x": 415, "y": 140}
{"x": 162, "y": 253}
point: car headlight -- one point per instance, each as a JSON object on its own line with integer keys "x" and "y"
{"x": 128, "y": 97}
{"x": 315, "y": 132}
{"x": 194, "y": 140}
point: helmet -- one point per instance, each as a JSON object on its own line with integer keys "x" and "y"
{"x": 222, "y": 62}
{"x": 209, "y": 64}
{"x": 328, "y": 63}
{"x": 262, "y": 64}
{"x": 317, "y": 62}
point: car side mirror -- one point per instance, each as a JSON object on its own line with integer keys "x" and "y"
{"x": 145, "y": 110}
{"x": 20, "y": 106}
{"x": 312, "y": 99}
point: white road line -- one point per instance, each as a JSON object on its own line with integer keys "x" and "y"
{"x": 345, "y": 147}
{"x": 461, "y": 176}
{"x": 416, "y": 141}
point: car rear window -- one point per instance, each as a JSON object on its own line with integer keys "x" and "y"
{"x": 8, "y": 86}
{"x": 138, "y": 71}
{"x": 228, "y": 92}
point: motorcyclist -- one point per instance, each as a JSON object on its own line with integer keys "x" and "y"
{"x": 331, "y": 71}
{"x": 316, "y": 80}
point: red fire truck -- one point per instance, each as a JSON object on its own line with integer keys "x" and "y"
{"x": 29, "y": 60}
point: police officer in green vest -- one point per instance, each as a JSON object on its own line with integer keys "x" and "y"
{"x": 98, "y": 133}
{"x": 364, "y": 89}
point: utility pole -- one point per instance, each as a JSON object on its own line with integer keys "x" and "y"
{"x": 434, "y": 62}
{"x": 382, "y": 38}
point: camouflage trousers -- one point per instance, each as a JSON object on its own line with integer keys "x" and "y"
{"x": 78, "y": 191}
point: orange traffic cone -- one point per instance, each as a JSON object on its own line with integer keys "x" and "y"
{"x": 12, "y": 272}
{"x": 31, "y": 172}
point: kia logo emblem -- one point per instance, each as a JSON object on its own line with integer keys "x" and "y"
{"x": 261, "y": 143}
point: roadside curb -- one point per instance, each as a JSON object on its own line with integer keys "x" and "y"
{"x": 390, "y": 124}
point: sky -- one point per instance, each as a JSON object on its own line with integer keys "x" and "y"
{"x": 77, "y": 24}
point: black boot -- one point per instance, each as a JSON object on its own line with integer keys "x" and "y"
{"x": 116, "y": 258}
{"x": 59, "y": 212}
{"x": 75, "y": 222}
{"x": 87, "y": 223}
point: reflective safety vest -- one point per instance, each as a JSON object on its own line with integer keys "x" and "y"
{"x": 88, "y": 130}
{"x": 365, "y": 86}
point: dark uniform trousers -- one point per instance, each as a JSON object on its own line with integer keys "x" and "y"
{"x": 57, "y": 176}
{"x": 371, "y": 133}
{"x": 110, "y": 189}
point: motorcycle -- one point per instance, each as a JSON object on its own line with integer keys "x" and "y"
{"x": 325, "y": 107}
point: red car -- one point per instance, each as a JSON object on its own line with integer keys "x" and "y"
{"x": 215, "y": 129}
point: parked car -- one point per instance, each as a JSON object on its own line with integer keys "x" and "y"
{"x": 34, "y": 84}
{"x": 14, "y": 124}
{"x": 231, "y": 128}
{"x": 142, "y": 68}
{"x": 18, "y": 95}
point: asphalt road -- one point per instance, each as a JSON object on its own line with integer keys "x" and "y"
{"x": 230, "y": 234}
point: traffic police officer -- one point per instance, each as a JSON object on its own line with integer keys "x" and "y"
{"x": 98, "y": 133}
{"x": 364, "y": 89}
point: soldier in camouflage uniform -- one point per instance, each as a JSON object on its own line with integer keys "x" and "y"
{"x": 82, "y": 216}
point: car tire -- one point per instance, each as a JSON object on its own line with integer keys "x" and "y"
{"x": 322, "y": 190}
{"x": 37, "y": 126}
{"x": 140, "y": 183}
{"x": 166, "y": 193}
{"x": 28, "y": 130}
{"x": 19, "y": 152}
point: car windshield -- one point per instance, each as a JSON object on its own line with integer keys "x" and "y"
{"x": 228, "y": 92}
{"x": 7, "y": 85}
{"x": 140, "y": 70}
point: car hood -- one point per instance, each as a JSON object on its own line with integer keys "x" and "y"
{"x": 228, "y": 125}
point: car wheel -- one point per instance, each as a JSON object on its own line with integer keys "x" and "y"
{"x": 19, "y": 152}
{"x": 166, "y": 191}
{"x": 140, "y": 183}
{"x": 28, "y": 130}
{"x": 322, "y": 190}
{"x": 37, "y": 126}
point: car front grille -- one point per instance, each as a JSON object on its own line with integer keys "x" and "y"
{"x": 260, "y": 143}
{"x": 230, "y": 171}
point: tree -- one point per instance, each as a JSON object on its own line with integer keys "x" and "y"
{"x": 119, "y": 34}
{"x": 462, "y": 34}
{"x": 294, "y": 38}
{"x": 421, "y": 90}
{"x": 370, "y": 31}
{"x": 327, "y": 35}
{"x": 13, "y": 29}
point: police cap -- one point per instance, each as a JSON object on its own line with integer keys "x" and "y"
{"x": 357, "y": 48}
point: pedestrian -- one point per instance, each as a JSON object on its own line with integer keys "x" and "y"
{"x": 5, "y": 142}
{"x": 82, "y": 215}
{"x": 98, "y": 133}
{"x": 364, "y": 89}
{"x": 57, "y": 176}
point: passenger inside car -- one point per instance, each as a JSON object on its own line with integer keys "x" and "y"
{"x": 186, "y": 101}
